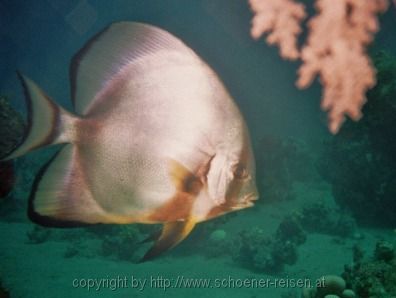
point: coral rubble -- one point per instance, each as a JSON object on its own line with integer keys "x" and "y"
{"x": 280, "y": 163}
{"x": 375, "y": 276}
{"x": 11, "y": 127}
{"x": 11, "y": 131}
{"x": 120, "y": 242}
{"x": 360, "y": 162}
{"x": 259, "y": 252}
{"x": 123, "y": 244}
{"x": 38, "y": 235}
{"x": 319, "y": 217}
{"x": 329, "y": 286}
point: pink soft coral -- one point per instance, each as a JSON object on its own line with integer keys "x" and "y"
{"x": 281, "y": 19}
{"x": 335, "y": 49}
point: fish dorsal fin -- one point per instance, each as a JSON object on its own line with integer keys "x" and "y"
{"x": 107, "y": 53}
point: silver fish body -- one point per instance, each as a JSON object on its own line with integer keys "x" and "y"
{"x": 155, "y": 138}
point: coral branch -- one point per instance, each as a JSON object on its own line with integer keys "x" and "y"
{"x": 336, "y": 51}
{"x": 281, "y": 19}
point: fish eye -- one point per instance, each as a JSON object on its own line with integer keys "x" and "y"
{"x": 240, "y": 172}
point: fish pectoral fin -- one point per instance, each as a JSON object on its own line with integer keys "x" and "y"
{"x": 183, "y": 179}
{"x": 172, "y": 234}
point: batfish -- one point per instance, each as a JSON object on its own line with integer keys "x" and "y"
{"x": 154, "y": 137}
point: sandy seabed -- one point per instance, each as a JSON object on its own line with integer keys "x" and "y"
{"x": 41, "y": 270}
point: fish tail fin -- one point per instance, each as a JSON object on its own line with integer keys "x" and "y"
{"x": 48, "y": 123}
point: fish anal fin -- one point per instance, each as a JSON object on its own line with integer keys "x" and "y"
{"x": 61, "y": 197}
{"x": 172, "y": 234}
{"x": 152, "y": 237}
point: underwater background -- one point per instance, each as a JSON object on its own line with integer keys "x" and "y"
{"x": 327, "y": 202}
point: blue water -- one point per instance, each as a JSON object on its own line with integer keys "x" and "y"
{"x": 302, "y": 169}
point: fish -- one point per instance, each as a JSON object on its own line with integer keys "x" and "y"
{"x": 154, "y": 138}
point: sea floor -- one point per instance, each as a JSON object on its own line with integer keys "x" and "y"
{"x": 41, "y": 270}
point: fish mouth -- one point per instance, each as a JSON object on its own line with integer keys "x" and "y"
{"x": 254, "y": 196}
{"x": 247, "y": 201}
{"x": 251, "y": 197}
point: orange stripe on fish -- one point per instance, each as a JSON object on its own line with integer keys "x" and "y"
{"x": 187, "y": 187}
